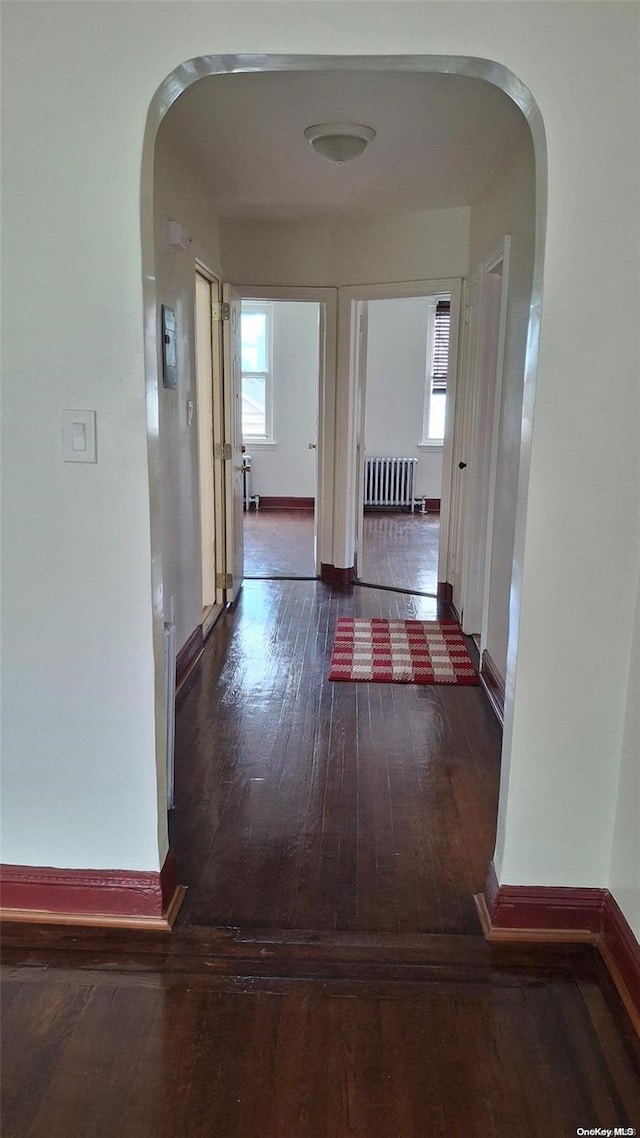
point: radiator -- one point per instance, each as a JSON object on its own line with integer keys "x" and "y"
{"x": 170, "y": 706}
{"x": 389, "y": 482}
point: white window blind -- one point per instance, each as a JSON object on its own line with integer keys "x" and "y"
{"x": 441, "y": 347}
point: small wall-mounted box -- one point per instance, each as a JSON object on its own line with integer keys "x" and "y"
{"x": 176, "y": 235}
{"x": 169, "y": 348}
{"x": 79, "y": 436}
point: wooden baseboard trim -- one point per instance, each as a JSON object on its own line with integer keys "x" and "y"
{"x": 96, "y": 920}
{"x": 528, "y": 936}
{"x": 96, "y": 898}
{"x": 286, "y": 502}
{"x": 553, "y": 914}
{"x": 621, "y": 953}
{"x": 493, "y": 684}
{"x": 334, "y": 575}
{"x": 188, "y": 657}
{"x": 445, "y": 592}
{"x": 432, "y": 505}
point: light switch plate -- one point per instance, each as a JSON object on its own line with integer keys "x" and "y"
{"x": 79, "y": 436}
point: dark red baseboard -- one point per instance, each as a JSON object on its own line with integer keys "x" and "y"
{"x": 286, "y": 503}
{"x": 493, "y": 684}
{"x": 539, "y": 907}
{"x": 445, "y": 592}
{"x": 621, "y": 953}
{"x": 557, "y": 914}
{"x": 91, "y": 896}
{"x": 334, "y": 575}
{"x": 432, "y": 505}
{"x": 188, "y": 656}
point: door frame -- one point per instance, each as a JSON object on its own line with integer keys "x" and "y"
{"x": 353, "y": 407}
{"x": 327, "y": 299}
{"x": 213, "y": 612}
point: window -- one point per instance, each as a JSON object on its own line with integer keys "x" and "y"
{"x": 435, "y": 398}
{"x": 256, "y": 335}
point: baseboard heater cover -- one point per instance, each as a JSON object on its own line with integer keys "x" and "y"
{"x": 389, "y": 481}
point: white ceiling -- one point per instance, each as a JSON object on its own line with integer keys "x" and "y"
{"x": 439, "y": 140}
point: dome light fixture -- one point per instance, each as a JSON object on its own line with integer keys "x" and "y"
{"x": 339, "y": 142}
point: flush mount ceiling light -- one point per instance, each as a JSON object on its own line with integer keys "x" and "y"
{"x": 339, "y": 142}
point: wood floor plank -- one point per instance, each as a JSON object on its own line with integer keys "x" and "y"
{"x": 497, "y": 1051}
{"x": 35, "y": 1030}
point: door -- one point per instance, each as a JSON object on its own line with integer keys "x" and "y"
{"x": 234, "y": 481}
{"x": 204, "y": 388}
{"x": 462, "y": 474}
{"x": 359, "y": 341}
{"x": 482, "y": 417}
{"x": 475, "y": 454}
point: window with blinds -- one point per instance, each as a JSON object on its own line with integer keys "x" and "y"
{"x": 441, "y": 347}
{"x": 436, "y": 371}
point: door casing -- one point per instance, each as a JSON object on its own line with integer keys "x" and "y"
{"x": 353, "y": 395}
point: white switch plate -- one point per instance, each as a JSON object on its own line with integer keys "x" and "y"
{"x": 79, "y": 436}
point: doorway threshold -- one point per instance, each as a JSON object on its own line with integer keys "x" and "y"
{"x": 396, "y": 589}
{"x": 279, "y": 577}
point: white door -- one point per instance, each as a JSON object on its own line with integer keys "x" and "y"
{"x": 479, "y": 437}
{"x": 482, "y": 411}
{"x": 359, "y": 341}
{"x": 234, "y": 480}
{"x": 461, "y": 447}
{"x": 204, "y": 386}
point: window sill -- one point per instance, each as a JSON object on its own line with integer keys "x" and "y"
{"x": 434, "y": 444}
{"x": 259, "y": 444}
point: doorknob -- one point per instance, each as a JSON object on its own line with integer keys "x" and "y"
{"x": 462, "y": 466}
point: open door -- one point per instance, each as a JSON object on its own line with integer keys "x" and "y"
{"x": 233, "y": 453}
{"x": 488, "y": 331}
{"x": 360, "y": 314}
{"x": 462, "y": 446}
{"x": 210, "y": 433}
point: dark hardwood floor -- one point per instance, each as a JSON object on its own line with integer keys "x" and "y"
{"x": 327, "y": 977}
{"x": 279, "y": 543}
{"x": 138, "y": 1036}
{"x": 309, "y": 804}
{"x": 399, "y": 549}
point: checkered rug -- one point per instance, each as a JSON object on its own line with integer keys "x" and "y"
{"x": 400, "y": 652}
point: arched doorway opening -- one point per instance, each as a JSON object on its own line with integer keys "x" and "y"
{"x": 340, "y": 407}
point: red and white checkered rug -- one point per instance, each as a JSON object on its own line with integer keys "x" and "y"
{"x": 400, "y": 652}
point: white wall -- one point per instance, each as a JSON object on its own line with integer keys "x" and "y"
{"x": 288, "y": 468}
{"x": 507, "y": 206}
{"x": 79, "y": 741}
{"x": 415, "y": 246}
{"x": 396, "y": 361}
{"x": 180, "y": 196}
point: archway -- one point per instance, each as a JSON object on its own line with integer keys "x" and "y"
{"x": 340, "y": 407}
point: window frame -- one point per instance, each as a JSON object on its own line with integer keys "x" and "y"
{"x": 260, "y": 307}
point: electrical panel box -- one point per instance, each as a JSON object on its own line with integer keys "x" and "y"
{"x": 169, "y": 348}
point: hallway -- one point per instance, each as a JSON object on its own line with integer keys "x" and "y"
{"x": 306, "y": 804}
